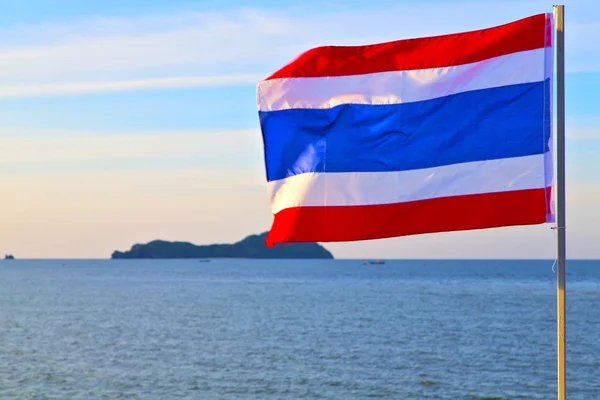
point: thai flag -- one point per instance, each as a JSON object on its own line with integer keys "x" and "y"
{"x": 414, "y": 136}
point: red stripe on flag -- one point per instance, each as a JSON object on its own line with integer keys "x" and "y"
{"x": 350, "y": 223}
{"x": 430, "y": 52}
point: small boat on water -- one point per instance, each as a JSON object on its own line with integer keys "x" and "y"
{"x": 378, "y": 262}
{"x": 9, "y": 257}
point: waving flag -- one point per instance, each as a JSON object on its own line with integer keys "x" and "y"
{"x": 414, "y": 136}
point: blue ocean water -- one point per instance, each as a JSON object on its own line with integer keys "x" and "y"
{"x": 239, "y": 329}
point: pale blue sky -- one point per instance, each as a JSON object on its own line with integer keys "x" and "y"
{"x": 127, "y": 121}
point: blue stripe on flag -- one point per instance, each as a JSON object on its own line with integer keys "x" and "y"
{"x": 479, "y": 125}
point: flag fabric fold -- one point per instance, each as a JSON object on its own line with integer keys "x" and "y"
{"x": 413, "y": 136}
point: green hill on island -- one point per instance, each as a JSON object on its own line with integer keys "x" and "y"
{"x": 252, "y": 246}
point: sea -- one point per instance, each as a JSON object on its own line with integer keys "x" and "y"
{"x": 294, "y": 329}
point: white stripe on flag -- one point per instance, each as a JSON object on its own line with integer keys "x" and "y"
{"x": 397, "y": 87}
{"x": 369, "y": 188}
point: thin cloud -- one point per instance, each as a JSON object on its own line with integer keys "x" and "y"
{"x": 234, "y": 46}
{"x": 587, "y": 128}
{"x": 37, "y": 148}
{"x": 68, "y": 88}
{"x": 583, "y": 134}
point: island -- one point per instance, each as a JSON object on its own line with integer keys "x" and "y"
{"x": 252, "y": 246}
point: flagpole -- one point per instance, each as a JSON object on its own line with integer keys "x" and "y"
{"x": 560, "y": 197}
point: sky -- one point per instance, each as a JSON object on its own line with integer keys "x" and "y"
{"x": 124, "y": 122}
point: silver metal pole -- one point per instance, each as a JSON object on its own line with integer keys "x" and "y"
{"x": 560, "y": 197}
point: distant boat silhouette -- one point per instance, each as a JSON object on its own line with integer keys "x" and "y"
{"x": 374, "y": 262}
{"x": 9, "y": 257}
